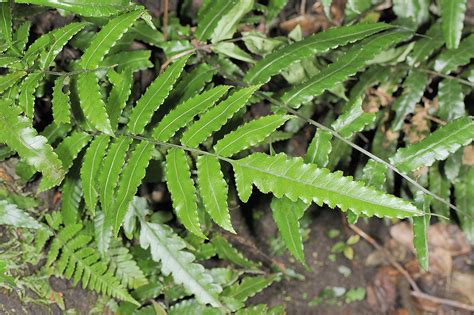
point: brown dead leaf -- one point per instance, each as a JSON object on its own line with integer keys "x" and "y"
{"x": 337, "y": 10}
{"x": 448, "y": 237}
{"x": 377, "y": 258}
{"x": 382, "y": 292}
{"x": 441, "y": 262}
{"x": 309, "y": 24}
{"x": 463, "y": 283}
{"x": 403, "y": 233}
{"x": 468, "y": 157}
{"x": 390, "y": 137}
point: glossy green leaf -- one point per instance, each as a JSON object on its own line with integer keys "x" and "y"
{"x": 9, "y": 79}
{"x": 298, "y": 181}
{"x": 229, "y": 21}
{"x": 20, "y": 38}
{"x": 85, "y": 7}
{"x": 250, "y": 134}
{"x": 213, "y": 190}
{"x": 6, "y": 22}
{"x": 319, "y": 148}
{"x": 60, "y": 103}
{"x": 183, "y": 192}
{"x": 209, "y": 16}
{"x": 110, "y": 171}
{"x": 226, "y": 251}
{"x": 11, "y": 215}
{"x": 182, "y": 114}
{"x": 316, "y": 44}
{"x": 90, "y": 168}
{"x": 231, "y": 50}
{"x": 17, "y": 133}
{"x": 450, "y": 100}
{"x": 121, "y": 89}
{"x": 353, "y": 120}
{"x": 464, "y": 193}
{"x": 416, "y": 10}
{"x": 91, "y": 102}
{"x": 131, "y": 178}
{"x": 192, "y": 83}
{"x": 248, "y": 287}
{"x": 129, "y": 60}
{"x": 70, "y": 200}
{"x": 106, "y": 38}
{"x": 452, "y": 18}
{"x": 216, "y": 117}
{"x": 420, "y": 230}
{"x": 350, "y": 63}
{"x": 436, "y": 146}
{"x": 440, "y": 186}
{"x": 426, "y": 46}
{"x": 27, "y": 92}
{"x": 450, "y": 59}
{"x": 154, "y": 96}
{"x": 413, "y": 89}
{"x": 102, "y": 234}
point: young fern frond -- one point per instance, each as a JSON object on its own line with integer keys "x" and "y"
{"x": 13, "y": 216}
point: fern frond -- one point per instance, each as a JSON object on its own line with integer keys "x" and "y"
{"x": 209, "y": 16}
{"x": 27, "y": 92}
{"x": 353, "y": 120}
{"x": 452, "y": 19}
{"x": 450, "y": 59}
{"x": 61, "y": 103}
{"x": 121, "y": 89}
{"x": 248, "y": 287}
{"x": 129, "y": 60}
{"x": 13, "y": 216}
{"x": 319, "y": 148}
{"x": 228, "y": 23}
{"x": 111, "y": 169}
{"x": 67, "y": 152}
{"x": 184, "y": 112}
{"x": 90, "y": 168}
{"x": 213, "y": 191}
{"x": 192, "y": 307}
{"x": 17, "y": 133}
{"x": 436, "y": 146}
{"x": 450, "y": 100}
{"x": 80, "y": 262}
{"x": 296, "y": 180}
{"x": 102, "y": 234}
{"x": 226, "y": 251}
{"x": 6, "y": 22}
{"x": 130, "y": 179}
{"x": 413, "y": 89}
{"x": 439, "y": 185}
{"x": 216, "y": 117}
{"x": 9, "y": 79}
{"x": 286, "y": 215}
{"x": 425, "y": 47}
{"x": 420, "y": 230}
{"x": 464, "y": 194}
{"x": 192, "y": 83}
{"x": 70, "y": 200}
{"x": 106, "y": 39}
{"x": 154, "y": 96}
{"x": 183, "y": 192}
{"x": 317, "y": 44}
{"x": 167, "y": 248}
{"x": 348, "y": 64}
{"x": 250, "y": 134}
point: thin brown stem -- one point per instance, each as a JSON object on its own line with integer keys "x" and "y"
{"x": 165, "y": 18}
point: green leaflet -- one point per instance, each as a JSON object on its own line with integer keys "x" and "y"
{"x": 80, "y": 262}
{"x": 296, "y": 180}
{"x": 209, "y": 16}
{"x": 184, "y": 112}
{"x": 6, "y": 22}
{"x": 464, "y": 193}
{"x": 92, "y": 103}
{"x": 250, "y": 134}
{"x": 449, "y": 60}
{"x": 129, "y": 60}
{"x": 416, "y": 10}
{"x": 213, "y": 190}
{"x": 182, "y": 190}
{"x": 60, "y": 103}
{"x": 110, "y": 171}
{"x": 440, "y": 186}
{"x": 106, "y": 38}
{"x": 226, "y": 251}
{"x": 450, "y": 100}
{"x": 154, "y": 96}
{"x": 286, "y": 215}
{"x": 17, "y": 133}
{"x": 425, "y": 47}
{"x": 348, "y": 64}
{"x": 11, "y": 215}
{"x": 437, "y": 146}
{"x": 191, "y": 307}
{"x": 420, "y": 230}
{"x": 248, "y": 287}
{"x": 6, "y": 61}
{"x": 216, "y": 117}
{"x": 10, "y": 79}
{"x": 166, "y": 247}
{"x": 228, "y": 23}
{"x": 319, "y": 148}
{"x": 90, "y": 168}
{"x": 59, "y": 38}
{"x": 413, "y": 89}
{"x": 85, "y": 7}
{"x": 353, "y": 120}
{"x": 121, "y": 89}
{"x": 452, "y": 18}
{"x": 130, "y": 179}
{"x": 102, "y": 234}
{"x": 374, "y": 174}
{"x": 70, "y": 200}
{"x": 27, "y": 92}
{"x": 21, "y": 36}
{"x": 316, "y": 44}
{"x": 192, "y": 83}
{"x": 274, "y": 7}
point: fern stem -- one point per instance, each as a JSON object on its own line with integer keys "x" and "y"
{"x": 441, "y": 75}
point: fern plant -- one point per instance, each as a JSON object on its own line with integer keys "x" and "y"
{"x": 190, "y": 132}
